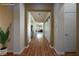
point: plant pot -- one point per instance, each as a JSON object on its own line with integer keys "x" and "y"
{"x": 3, "y": 51}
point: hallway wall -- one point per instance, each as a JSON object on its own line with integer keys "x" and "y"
{"x": 47, "y": 28}
{"x": 58, "y": 27}
{"x": 29, "y": 26}
{"x": 16, "y": 33}
{"x": 19, "y": 33}
{"x": 22, "y": 26}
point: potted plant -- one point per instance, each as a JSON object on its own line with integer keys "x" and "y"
{"x": 3, "y": 41}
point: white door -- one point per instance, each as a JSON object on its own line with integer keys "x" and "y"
{"x": 69, "y": 31}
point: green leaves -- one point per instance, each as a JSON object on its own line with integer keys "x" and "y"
{"x": 4, "y": 36}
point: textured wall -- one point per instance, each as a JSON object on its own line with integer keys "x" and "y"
{"x": 6, "y": 18}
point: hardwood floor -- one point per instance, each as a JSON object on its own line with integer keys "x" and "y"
{"x": 38, "y": 47}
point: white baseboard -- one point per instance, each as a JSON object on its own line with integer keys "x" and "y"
{"x": 51, "y": 46}
{"x": 19, "y": 51}
{"x": 58, "y": 52}
{"x": 29, "y": 41}
{"x": 27, "y": 46}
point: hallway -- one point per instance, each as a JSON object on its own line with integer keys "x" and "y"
{"x": 38, "y": 46}
{"x": 41, "y": 28}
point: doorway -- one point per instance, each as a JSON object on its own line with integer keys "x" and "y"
{"x": 39, "y": 33}
{"x": 39, "y": 25}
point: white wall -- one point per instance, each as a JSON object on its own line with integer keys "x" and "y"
{"x": 34, "y": 25}
{"x": 47, "y": 28}
{"x": 58, "y": 27}
{"x": 22, "y": 26}
{"x": 29, "y": 26}
{"x": 18, "y": 43}
{"x": 65, "y": 27}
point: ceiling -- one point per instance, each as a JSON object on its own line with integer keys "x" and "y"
{"x": 39, "y": 6}
{"x": 39, "y": 16}
{"x": 7, "y": 4}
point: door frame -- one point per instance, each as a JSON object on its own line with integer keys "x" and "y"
{"x": 52, "y": 23}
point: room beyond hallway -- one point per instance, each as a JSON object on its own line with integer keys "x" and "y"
{"x": 38, "y": 47}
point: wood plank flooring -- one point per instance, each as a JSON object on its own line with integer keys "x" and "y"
{"x": 38, "y": 47}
